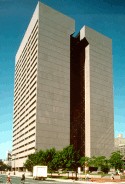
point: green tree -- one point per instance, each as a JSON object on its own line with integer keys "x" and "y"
{"x": 4, "y": 167}
{"x": 40, "y": 158}
{"x": 84, "y": 160}
{"x": 101, "y": 162}
{"x": 66, "y": 159}
{"x": 69, "y": 158}
{"x": 116, "y": 160}
{"x": 55, "y": 164}
{"x": 30, "y": 162}
{"x": 48, "y": 157}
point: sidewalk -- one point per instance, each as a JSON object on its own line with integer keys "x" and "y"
{"x": 69, "y": 180}
{"x": 109, "y": 181}
{"x": 80, "y": 180}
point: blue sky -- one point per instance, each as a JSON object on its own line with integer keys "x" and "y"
{"x": 105, "y": 16}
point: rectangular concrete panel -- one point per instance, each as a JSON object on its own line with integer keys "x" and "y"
{"x": 99, "y": 121}
{"x": 53, "y": 82}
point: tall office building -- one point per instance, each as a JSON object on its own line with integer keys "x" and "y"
{"x": 63, "y": 88}
{"x": 42, "y": 85}
{"x": 92, "y": 123}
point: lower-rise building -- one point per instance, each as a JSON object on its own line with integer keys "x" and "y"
{"x": 120, "y": 144}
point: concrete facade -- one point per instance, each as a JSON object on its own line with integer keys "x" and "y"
{"x": 92, "y": 122}
{"x": 53, "y": 82}
{"x": 43, "y": 95}
{"x": 99, "y": 121}
{"x": 42, "y": 85}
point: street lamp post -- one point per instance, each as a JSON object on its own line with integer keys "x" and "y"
{"x": 14, "y": 165}
{"x": 86, "y": 168}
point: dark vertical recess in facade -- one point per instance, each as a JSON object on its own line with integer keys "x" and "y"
{"x": 77, "y": 93}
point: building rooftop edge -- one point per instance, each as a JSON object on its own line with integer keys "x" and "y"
{"x": 85, "y": 28}
{"x": 28, "y": 31}
{"x": 41, "y": 3}
{"x": 35, "y": 15}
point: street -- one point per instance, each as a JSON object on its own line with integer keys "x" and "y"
{"x": 17, "y": 180}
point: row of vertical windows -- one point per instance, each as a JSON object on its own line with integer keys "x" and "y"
{"x": 32, "y": 135}
{"x": 21, "y": 64}
{"x": 23, "y": 134}
{"x": 25, "y": 149}
{"x": 21, "y": 157}
{"x": 24, "y": 114}
{"x": 26, "y": 84}
{"x": 17, "y": 129}
{"x": 25, "y": 90}
{"x": 26, "y": 50}
{"x": 27, "y": 75}
{"x": 23, "y": 87}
